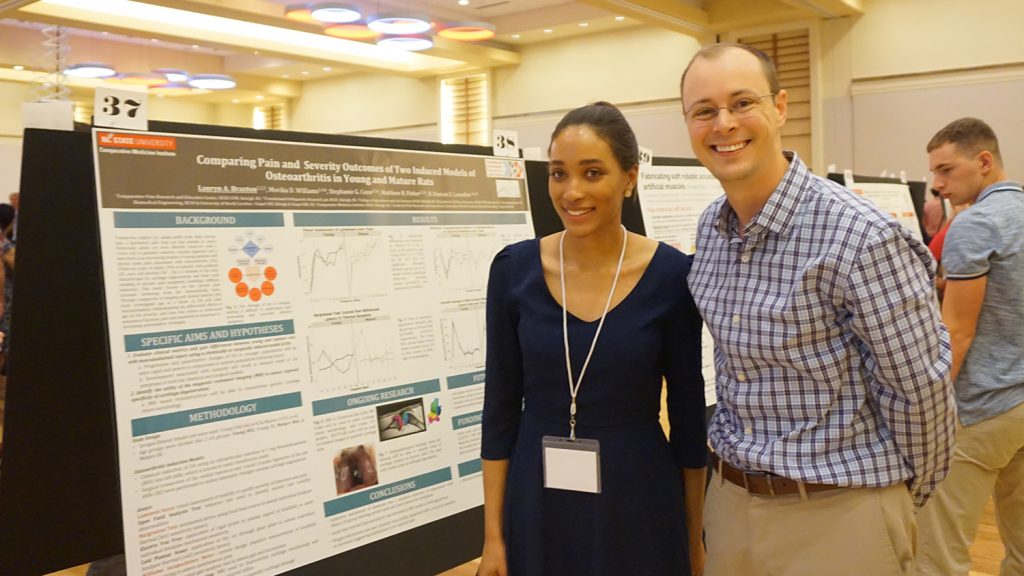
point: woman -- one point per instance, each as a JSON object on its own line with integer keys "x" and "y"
{"x": 614, "y": 306}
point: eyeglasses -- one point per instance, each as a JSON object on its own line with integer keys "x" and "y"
{"x": 740, "y": 107}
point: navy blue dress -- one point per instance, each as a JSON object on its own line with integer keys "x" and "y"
{"x": 636, "y": 525}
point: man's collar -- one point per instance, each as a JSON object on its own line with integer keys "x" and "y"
{"x": 780, "y": 211}
{"x": 1009, "y": 185}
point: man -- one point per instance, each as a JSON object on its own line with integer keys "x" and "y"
{"x": 984, "y": 303}
{"x": 835, "y": 412}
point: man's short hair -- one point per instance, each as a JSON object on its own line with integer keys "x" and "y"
{"x": 970, "y": 135}
{"x": 716, "y": 50}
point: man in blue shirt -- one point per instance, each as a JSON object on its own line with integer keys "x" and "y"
{"x": 835, "y": 413}
{"x": 983, "y": 307}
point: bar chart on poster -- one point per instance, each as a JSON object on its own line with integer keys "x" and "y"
{"x": 297, "y": 337}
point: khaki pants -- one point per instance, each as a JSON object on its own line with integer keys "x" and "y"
{"x": 844, "y": 532}
{"x": 988, "y": 459}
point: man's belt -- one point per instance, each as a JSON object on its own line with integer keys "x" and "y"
{"x": 765, "y": 483}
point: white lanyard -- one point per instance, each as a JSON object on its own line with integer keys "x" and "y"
{"x": 573, "y": 390}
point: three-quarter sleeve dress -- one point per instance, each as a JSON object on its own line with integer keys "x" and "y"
{"x": 636, "y": 525}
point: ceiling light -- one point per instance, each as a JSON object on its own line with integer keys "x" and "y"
{"x": 548, "y": 30}
{"x": 399, "y": 23}
{"x": 468, "y": 31}
{"x": 305, "y": 72}
{"x": 235, "y": 100}
{"x": 89, "y": 70}
{"x": 302, "y": 44}
{"x": 195, "y": 46}
{"x": 300, "y": 12}
{"x": 515, "y": 36}
{"x": 335, "y": 13}
{"x": 173, "y": 74}
{"x": 463, "y": 2}
{"x": 153, "y": 40}
{"x": 326, "y": 68}
{"x": 410, "y": 42}
{"x": 212, "y": 82}
{"x": 584, "y": 24}
{"x": 19, "y": 67}
{"x": 351, "y": 31}
{"x": 620, "y": 18}
{"x": 140, "y": 78}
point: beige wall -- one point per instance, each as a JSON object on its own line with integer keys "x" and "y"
{"x": 363, "y": 102}
{"x": 906, "y": 36}
{"x": 893, "y": 76}
{"x": 638, "y": 64}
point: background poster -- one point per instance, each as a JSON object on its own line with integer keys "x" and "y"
{"x": 672, "y": 200}
{"x": 297, "y": 341}
{"x": 894, "y": 199}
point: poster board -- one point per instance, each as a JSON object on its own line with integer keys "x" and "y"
{"x": 673, "y": 195}
{"x": 904, "y": 201}
{"x": 50, "y": 518}
{"x": 297, "y": 341}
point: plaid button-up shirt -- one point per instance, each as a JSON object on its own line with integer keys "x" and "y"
{"x": 832, "y": 363}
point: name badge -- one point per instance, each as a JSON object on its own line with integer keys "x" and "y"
{"x": 572, "y": 464}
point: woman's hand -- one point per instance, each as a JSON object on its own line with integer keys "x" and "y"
{"x": 493, "y": 562}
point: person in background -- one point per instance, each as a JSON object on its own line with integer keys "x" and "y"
{"x": 935, "y": 247}
{"x": 7, "y": 255}
{"x": 983, "y": 256}
{"x": 835, "y": 412}
{"x": 582, "y": 326}
{"x": 934, "y": 215}
{"x": 10, "y": 230}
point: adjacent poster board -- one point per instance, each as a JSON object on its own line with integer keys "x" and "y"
{"x": 893, "y": 198}
{"x": 672, "y": 199}
{"x": 296, "y": 336}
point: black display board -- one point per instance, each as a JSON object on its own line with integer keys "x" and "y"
{"x": 59, "y": 490}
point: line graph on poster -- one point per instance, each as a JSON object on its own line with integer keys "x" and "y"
{"x": 351, "y": 356}
{"x": 344, "y": 263}
{"x": 462, "y": 259}
{"x": 463, "y": 336}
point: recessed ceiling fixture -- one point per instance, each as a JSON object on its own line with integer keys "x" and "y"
{"x": 410, "y": 42}
{"x": 89, "y": 70}
{"x": 620, "y": 18}
{"x": 403, "y": 23}
{"x": 301, "y": 12}
{"x": 548, "y": 30}
{"x": 463, "y": 2}
{"x": 19, "y": 67}
{"x": 212, "y": 82}
{"x": 335, "y": 12}
{"x": 468, "y": 31}
{"x": 584, "y": 24}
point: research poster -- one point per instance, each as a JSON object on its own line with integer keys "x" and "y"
{"x": 297, "y": 342}
{"x": 894, "y": 199}
{"x": 672, "y": 198}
